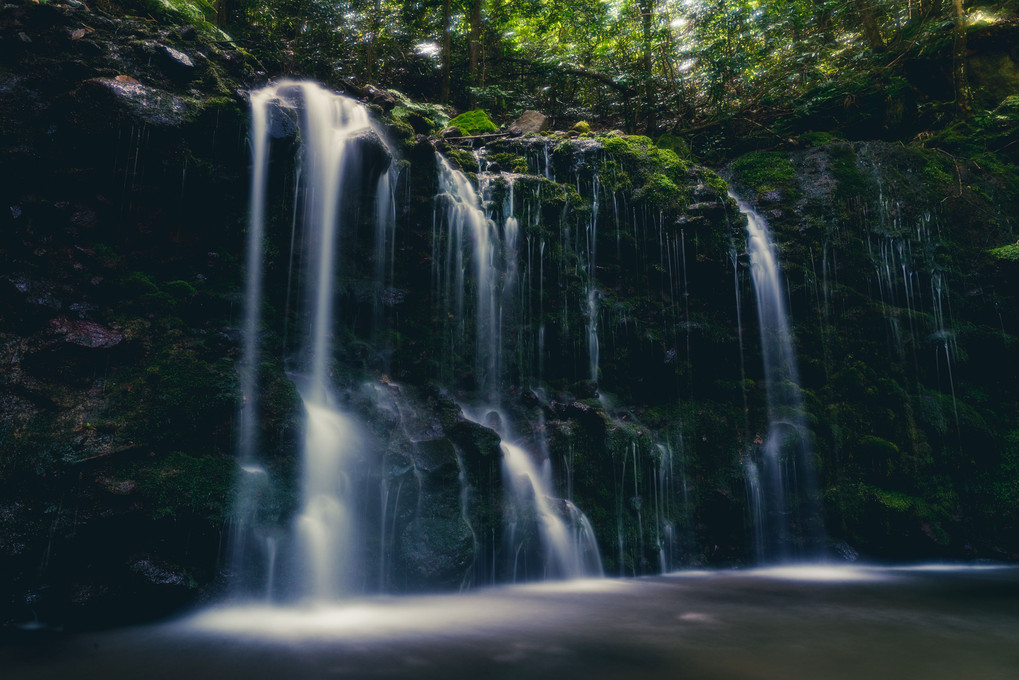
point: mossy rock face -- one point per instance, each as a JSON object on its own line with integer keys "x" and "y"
{"x": 677, "y": 145}
{"x": 888, "y": 426}
{"x": 461, "y": 159}
{"x": 415, "y": 118}
{"x": 765, "y": 172}
{"x": 473, "y": 123}
{"x": 506, "y": 162}
{"x": 130, "y": 114}
{"x": 1006, "y": 253}
{"x": 809, "y": 139}
{"x": 653, "y": 174}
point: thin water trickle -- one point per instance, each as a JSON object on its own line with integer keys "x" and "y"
{"x": 592, "y": 281}
{"x": 787, "y": 519}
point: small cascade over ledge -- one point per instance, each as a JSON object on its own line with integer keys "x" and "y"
{"x": 482, "y": 256}
{"x": 780, "y": 479}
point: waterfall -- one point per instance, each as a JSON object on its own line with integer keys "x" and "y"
{"x": 470, "y": 236}
{"x": 782, "y": 489}
{"x": 330, "y": 129}
{"x": 475, "y": 245}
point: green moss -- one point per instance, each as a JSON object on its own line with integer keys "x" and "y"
{"x": 660, "y": 192}
{"x": 464, "y": 160}
{"x": 851, "y": 184}
{"x": 180, "y": 397}
{"x": 198, "y": 13}
{"x": 419, "y": 123}
{"x": 938, "y": 169}
{"x": 402, "y": 130}
{"x": 675, "y": 144}
{"x": 641, "y": 152}
{"x": 181, "y": 290}
{"x": 509, "y": 162}
{"x": 581, "y": 126}
{"x": 714, "y": 181}
{"x": 411, "y": 118}
{"x": 1006, "y": 253}
{"x": 764, "y": 171}
{"x": 654, "y": 175}
{"x": 893, "y": 500}
{"x": 809, "y": 139}
{"x": 473, "y": 123}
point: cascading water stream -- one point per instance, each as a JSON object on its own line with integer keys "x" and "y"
{"x": 782, "y": 492}
{"x": 329, "y": 127}
{"x": 467, "y": 224}
{"x": 568, "y": 546}
{"x": 566, "y": 533}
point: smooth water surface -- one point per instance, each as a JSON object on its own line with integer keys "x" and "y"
{"x": 790, "y": 623}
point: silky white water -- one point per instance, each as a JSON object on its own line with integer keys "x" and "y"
{"x": 481, "y": 256}
{"x": 781, "y": 487}
{"x": 328, "y": 127}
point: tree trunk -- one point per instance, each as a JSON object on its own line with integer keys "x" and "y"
{"x": 446, "y": 52}
{"x": 371, "y": 54}
{"x": 647, "y": 65}
{"x": 865, "y": 8}
{"x": 963, "y": 105}
{"x": 474, "y": 49}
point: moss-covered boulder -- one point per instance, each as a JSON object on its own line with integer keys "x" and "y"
{"x": 473, "y": 123}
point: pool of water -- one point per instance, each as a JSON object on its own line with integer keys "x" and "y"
{"x": 791, "y": 623}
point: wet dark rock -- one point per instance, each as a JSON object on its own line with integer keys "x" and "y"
{"x": 475, "y": 440}
{"x": 585, "y": 389}
{"x": 711, "y": 209}
{"x": 160, "y": 575}
{"x": 23, "y": 291}
{"x": 283, "y": 119}
{"x": 131, "y": 166}
{"x": 846, "y": 551}
{"x": 86, "y": 334}
{"x": 436, "y": 552}
{"x": 378, "y": 96}
{"x": 580, "y": 412}
{"x": 433, "y": 454}
{"x": 128, "y": 98}
{"x": 177, "y": 57}
{"x": 393, "y": 296}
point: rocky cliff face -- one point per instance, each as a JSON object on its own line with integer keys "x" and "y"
{"x": 627, "y": 345}
{"x": 906, "y": 333}
{"x": 124, "y": 169}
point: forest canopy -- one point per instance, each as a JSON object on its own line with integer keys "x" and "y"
{"x": 642, "y": 65}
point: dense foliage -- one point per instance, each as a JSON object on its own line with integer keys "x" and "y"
{"x": 651, "y": 64}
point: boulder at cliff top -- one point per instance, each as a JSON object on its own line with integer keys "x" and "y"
{"x": 528, "y": 122}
